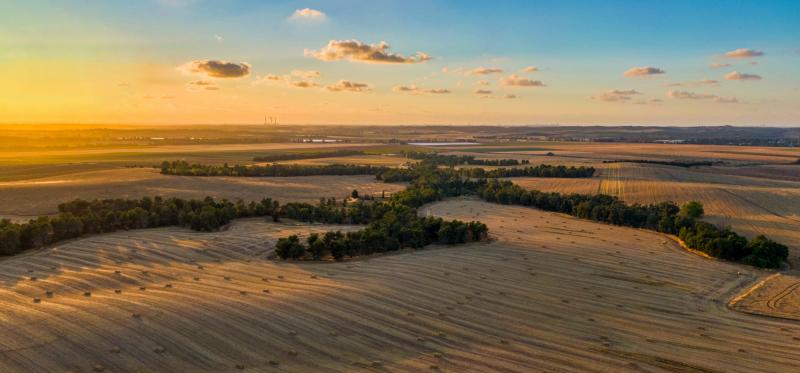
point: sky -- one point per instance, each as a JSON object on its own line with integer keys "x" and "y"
{"x": 378, "y": 62}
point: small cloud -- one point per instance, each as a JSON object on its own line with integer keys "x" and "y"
{"x": 216, "y": 69}
{"x": 616, "y": 95}
{"x": 511, "y": 96}
{"x": 482, "y": 92}
{"x": 482, "y": 83}
{"x": 529, "y": 69}
{"x": 308, "y": 14}
{"x": 695, "y": 83}
{"x": 744, "y": 53}
{"x": 514, "y": 80}
{"x": 726, "y": 100}
{"x": 306, "y": 74}
{"x": 356, "y": 51}
{"x": 303, "y": 84}
{"x": 685, "y": 95}
{"x": 344, "y": 85}
{"x": 636, "y": 72}
{"x": 719, "y": 65}
{"x": 652, "y": 101}
{"x": 218, "y": 38}
{"x": 484, "y": 71}
{"x": 413, "y": 89}
{"x": 202, "y": 85}
{"x": 735, "y": 75}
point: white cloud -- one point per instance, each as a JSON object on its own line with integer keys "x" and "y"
{"x": 744, "y": 53}
{"x": 484, "y": 71}
{"x": 529, "y": 69}
{"x": 616, "y": 95}
{"x": 356, "y": 51}
{"x": 719, "y": 65}
{"x": 413, "y": 89}
{"x": 514, "y": 80}
{"x": 308, "y": 14}
{"x": 636, "y": 72}
{"x": 348, "y": 86}
{"x": 216, "y": 69}
{"x": 735, "y": 75}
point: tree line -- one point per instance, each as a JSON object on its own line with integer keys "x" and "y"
{"x": 81, "y": 217}
{"x": 542, "y": 170}
{"x": 664, "y": 217}
{"x": 182, "y": 168}
{"x": 686, "y": 164}
{"x": 310, "y": 155}
{"x": 456, "y": 160}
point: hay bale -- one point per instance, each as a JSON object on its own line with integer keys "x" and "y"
{"x": 377, "y": 363}
{"x": 98, "y": 368}
{"x": 265, "y": 291}
{"x": 240, "y": 366}
{"x": 292, "y": 332}
{"x": 333, "y": 333}
{"x": 292, "y": 353}
{"x": 142, "y": 288}
{"x": 168, "y": 285}
{"x": 115, "y": 350}
{"x": 87, "y": 294}
{"x": 159, "y": 350}
{"x": 49, "y": 293}
{"x": 37, "y": 300}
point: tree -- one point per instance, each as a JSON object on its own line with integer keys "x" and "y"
{"x": 692, "y": 209}
{"x": 316, "y": 246}
{"x": 354, "y": 194}
{"x": 289, "y": 247}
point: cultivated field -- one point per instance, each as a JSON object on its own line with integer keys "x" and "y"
{"x": 21, "y": 200}
{"x": 550, "y": 293}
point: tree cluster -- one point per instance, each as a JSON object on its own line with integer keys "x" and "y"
{"x": 664, "y": 217}
{"x": 182, "y": 168}
{"x": 456, "y": 160}
{"x": 392, "y": 224}
{"x": 542, "y": 170}
{"x": 81, "y": 217}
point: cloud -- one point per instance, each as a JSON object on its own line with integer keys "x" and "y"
{"x": 417, "y": 90}
{"x": 636, "y": 72}
{"x": 202, "y": 85}
{"x": 217, "y": 69}
{"x": 303, "y": 84}
{"x": 684, "y": 95}
{"x": 726, "y": 100}
{"x": 308, "y": 14}
{"x": 305, "y": 74}
{"x": 510, "y": 96}
{"x": 719, "y": 65}
{"x": 482, "y": 92}
{"x": 652, "y": 101}
{"x": 744, "y": 53}
{"x": 616, "y": 95}
{"x": 529, "y": 69}
{"x": 356, "y": 51}
{"x": 345, "y": 85}
{"x": 695, "y": 83}
{"x": 735, "y": 75}
{"x": 484, "y": 71}
{"x": 514, "y": 80}
{"x": 482, "y": 83}
{"x": 218, "y": 38}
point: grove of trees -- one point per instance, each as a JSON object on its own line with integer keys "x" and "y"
{"x": 182, "y": 168}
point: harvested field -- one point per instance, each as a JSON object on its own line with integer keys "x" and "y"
{"x": 777, "y": 296}
{"x": 600, "y": 151}
{"x": 25, "y": 199}
{"x": 750, "y": 205}
{"x": 372, "y": 160}
{"x": 551, "y": 293}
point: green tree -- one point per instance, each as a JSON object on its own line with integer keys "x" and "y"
{"x": 692, "y": 209}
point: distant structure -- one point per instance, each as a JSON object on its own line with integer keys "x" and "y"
{"x": 270, "y": 121}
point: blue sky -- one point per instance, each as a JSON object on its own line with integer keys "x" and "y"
{"x": 581, "y": 50}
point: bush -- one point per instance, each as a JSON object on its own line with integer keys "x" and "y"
{"x": 290, "y": 248}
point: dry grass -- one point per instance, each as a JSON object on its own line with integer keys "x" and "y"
{"x": 577, "y": 296}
